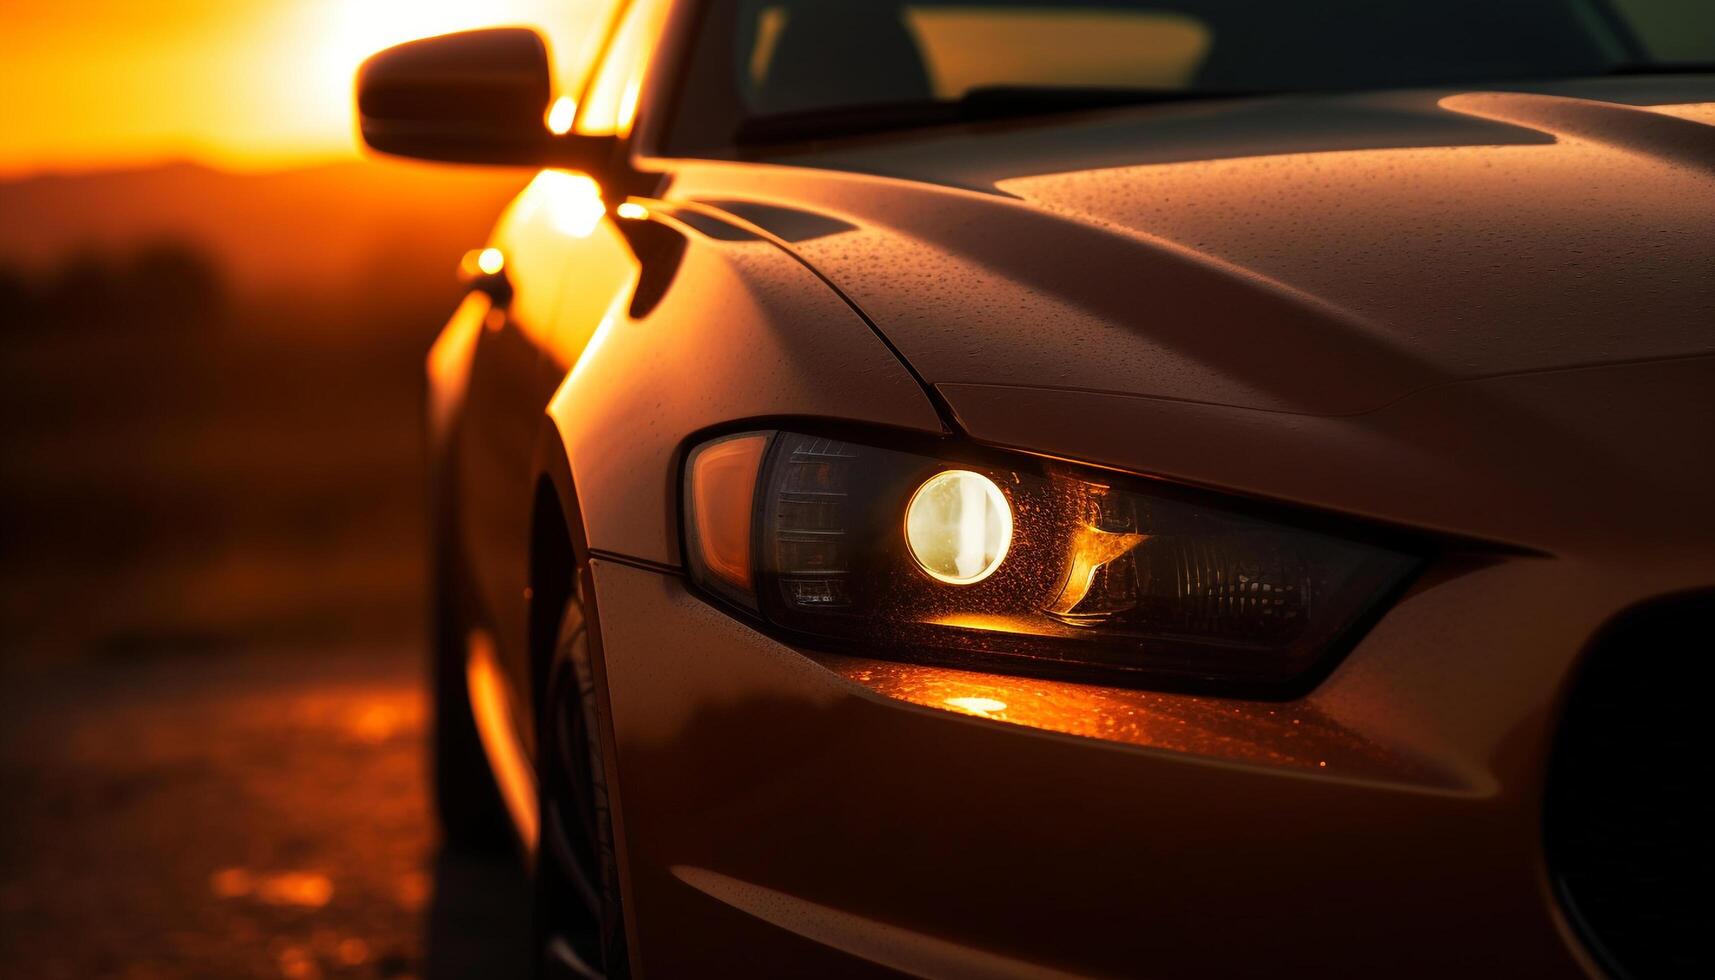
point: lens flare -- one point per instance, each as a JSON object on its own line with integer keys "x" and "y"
{"x": 572, "y": 201}
{"x": 958, "y": 526}
{"x": 560, "y": 116}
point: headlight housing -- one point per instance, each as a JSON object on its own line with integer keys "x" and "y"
{"x": 1016, "y": 563}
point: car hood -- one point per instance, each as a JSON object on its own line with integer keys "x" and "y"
{"x": 1322, "y": 256}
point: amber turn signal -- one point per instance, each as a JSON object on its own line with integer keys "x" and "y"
{"x": 720, "y": 482}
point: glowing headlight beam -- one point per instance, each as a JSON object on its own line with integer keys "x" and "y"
{"x": 958, "y": 526}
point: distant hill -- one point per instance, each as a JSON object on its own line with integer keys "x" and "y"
{"x": 322, "y": 230}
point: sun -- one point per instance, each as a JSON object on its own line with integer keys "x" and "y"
{"x": 362, "y": 27}
{"x": 359, "y": 28}
{"x": 340, "y": 34}
{"x": 248, "y": 85}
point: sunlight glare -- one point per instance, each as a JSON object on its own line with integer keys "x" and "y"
{"x": 573, "y": 201}
{"x": 255, "y": 85}
{"x": 362, "y": 27}
{"x": 349, "y": 31}
{"x": 352, "y": 30}
{"x": 561, "y": 114}
{"x": 977, "y": 706}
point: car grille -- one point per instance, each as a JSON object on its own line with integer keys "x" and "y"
{"x": 1626, "y": 794}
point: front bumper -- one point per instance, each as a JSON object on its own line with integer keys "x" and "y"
{"x": 802, "y": 814}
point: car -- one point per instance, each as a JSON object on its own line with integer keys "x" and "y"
{"x": 1182, "y": 488}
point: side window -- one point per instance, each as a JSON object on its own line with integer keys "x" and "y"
{"x": 798, "y": 55}
{"x": 968, "y": 48}
{"x": 610, "y": 103}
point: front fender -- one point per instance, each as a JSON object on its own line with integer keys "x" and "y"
{"x": 719, "y": 326}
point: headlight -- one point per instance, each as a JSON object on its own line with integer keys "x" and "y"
{"x": 1015, "y": 563}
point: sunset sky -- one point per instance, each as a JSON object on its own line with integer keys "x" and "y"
{"x": 240, "y": 84}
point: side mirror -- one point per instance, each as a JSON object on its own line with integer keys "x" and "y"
{"x": 475, "y": 97}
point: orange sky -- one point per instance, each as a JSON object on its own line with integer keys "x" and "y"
{"x": 243, "y": 84}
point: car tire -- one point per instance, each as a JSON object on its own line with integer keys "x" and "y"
{"x": 580, "y": 924}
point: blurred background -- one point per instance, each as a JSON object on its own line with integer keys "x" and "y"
{"x": 214, "y": 313}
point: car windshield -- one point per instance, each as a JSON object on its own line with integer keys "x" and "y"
{"x": 766, "y": 70}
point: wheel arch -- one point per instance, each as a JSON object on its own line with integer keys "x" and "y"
{"x": 559, "y": 572}
{"x": 559, "y": 548}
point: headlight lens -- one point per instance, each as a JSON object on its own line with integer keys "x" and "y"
{"x": 1014, "y": 563}
{"x": 958, "y": 526}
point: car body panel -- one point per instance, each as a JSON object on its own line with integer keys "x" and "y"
{"x": 1390, "y": 842}
{"x": 500, "y": 392}
{"x": 736, "y": 330}
{"x": 1610, "y": 462}
{"x": 1547, "y": 232}
{"x": 1481, "y": 318}
{"x": 630, "y": 321}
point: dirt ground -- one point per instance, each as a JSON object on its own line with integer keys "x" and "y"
{"x": 236, "y": 814}
{"x": 211, "y": 594}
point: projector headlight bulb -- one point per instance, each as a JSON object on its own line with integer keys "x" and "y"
{"x": 958, "y": 526}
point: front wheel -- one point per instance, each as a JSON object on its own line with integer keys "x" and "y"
{"x": 580, "y": 925}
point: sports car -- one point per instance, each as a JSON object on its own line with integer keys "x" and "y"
{"x": 1175, "y": 488}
